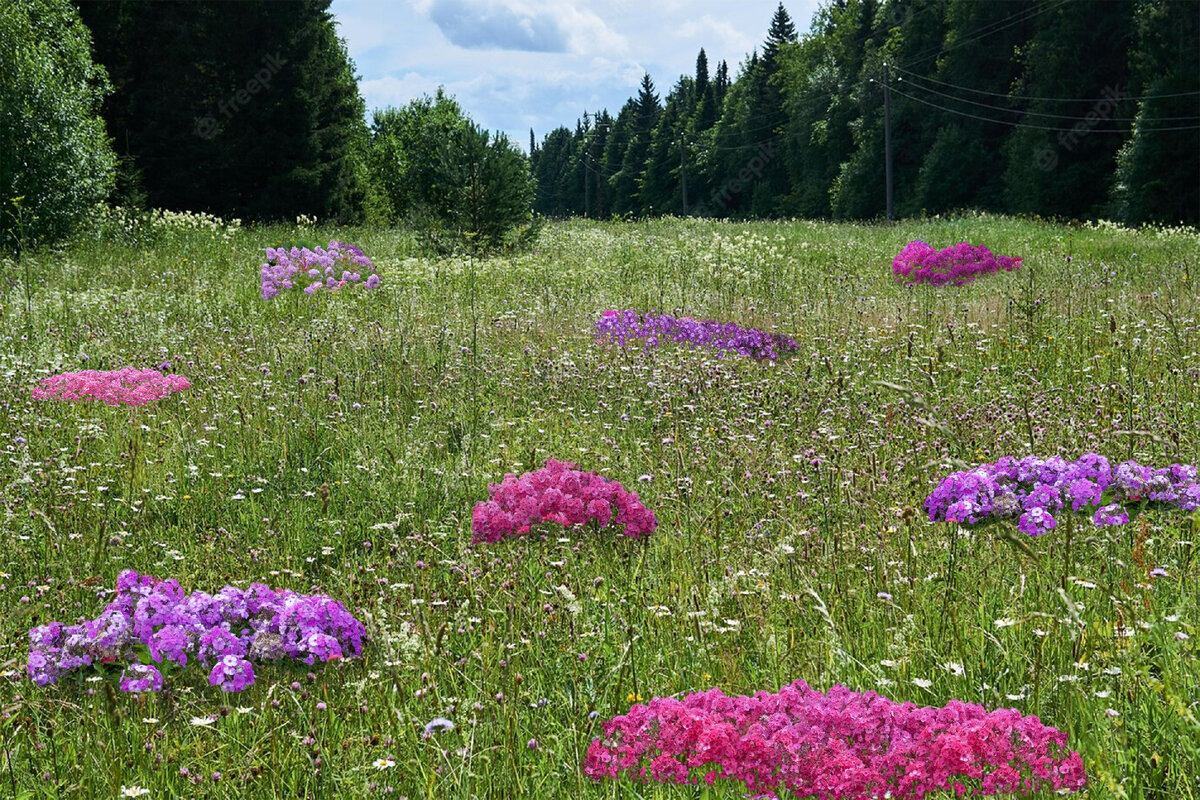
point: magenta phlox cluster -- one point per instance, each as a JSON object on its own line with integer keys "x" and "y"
{"x": 1036, "y": 491}
{"x": 840, "y": 745}
{"x": 120, "y": 387}
{"x": 625, "y": 327}
{"x": 558, "y": 493}
{"x": 957, "y": 264}
{"x": 330, "y": 268}
{"x": 225, "y": 631}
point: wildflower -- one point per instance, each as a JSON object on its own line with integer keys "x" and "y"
{"x": 122, "y": 387}
{"x": 436, "y": 725}
{"x": 384, "y": 763}
{"x": 202, "y": 722}
{"x": 175, "y": 626}
{"x": 622, "y": 327}
{"x": 1035, "y": 490}
{"x": 141, "y": 678}
{"x": 807, "y": 743}
{"x": 134, "y": 791}
{"x": 284, "y": 265}
{"x": 958, "y": 264}
{"x": 559, "y": 493}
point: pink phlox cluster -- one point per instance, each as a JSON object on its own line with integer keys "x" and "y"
{"x": 560, "y": 493}
{"x": 330, "y": 268}
{"x": 957, "y": 264}
{"x": 840, "y": 745}
{"x": 121, "y": 387}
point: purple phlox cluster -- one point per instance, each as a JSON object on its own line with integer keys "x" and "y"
{"x": 559, "y": 493}
{"x": 623, "y": 327}
{"x": 1035, "y": 490}
{"x": 127, "y": 386}
{"x": 334, "y": 267}
{"x": 960, "y": 263}
{"x": 227, "y": 630}
{"x": 841, "y": 744}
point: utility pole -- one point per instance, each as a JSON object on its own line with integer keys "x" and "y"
{"x": 887, "y": 139}
{"x": 683, "y": 171}
{"x": 596, "y": 160}
{"x": 587, "y": 205}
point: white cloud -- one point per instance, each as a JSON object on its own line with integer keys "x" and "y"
{"x": 518, "y": 64}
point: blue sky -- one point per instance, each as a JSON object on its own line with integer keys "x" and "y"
{"x": 517, "y": 64}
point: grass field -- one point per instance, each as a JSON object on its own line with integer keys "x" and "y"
{"x": 340, "y": 442}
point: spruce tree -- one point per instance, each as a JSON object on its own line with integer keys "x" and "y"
{"x": 1158, "y": 171}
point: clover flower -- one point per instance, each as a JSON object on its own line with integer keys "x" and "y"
{"x": 961, "y": 263}
{"x": 334, "y": 267}
{"x": 227, "y": 630}
{"x": 1034, "y": 490}
{"x": 840, "y": 744}
{"x": 122, "y": 387}
{"x": 560, "y": 493}
{"x": 622, "y": 327}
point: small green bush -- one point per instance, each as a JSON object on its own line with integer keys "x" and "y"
{"x": 55, "y": 158}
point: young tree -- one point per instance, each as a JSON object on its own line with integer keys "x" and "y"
{"x": 441, "y": 173}
{"x": 55, "y": 159}
{"x": 626, "y": 181}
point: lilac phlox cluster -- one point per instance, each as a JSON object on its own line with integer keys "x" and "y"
{"x": 960, "y": 263}
{"x": 227, "y": 630}
{"x": 1035, "y": 490}
{"x": 334, "y": 267}
{"x": 841, "y": 744}
{"x": 127, "y": 386}
{"x": 623, "y": 327}
{"x": 559, "y": 493}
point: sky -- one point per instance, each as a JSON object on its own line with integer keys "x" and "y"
{"x": 520, "y": 64}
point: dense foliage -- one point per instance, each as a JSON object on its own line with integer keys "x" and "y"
{"x": 248, "y": 109}
{"x": 461, "y": 186}
{"x": 1068, "y": 109}
{"x": 55, "y": 160}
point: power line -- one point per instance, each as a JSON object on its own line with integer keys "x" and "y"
{"x": 1063, "y": 117}
{"x": 1040, "y": 99}
{"x": 976, "y": 35}
{"x": 1037, "y": 127}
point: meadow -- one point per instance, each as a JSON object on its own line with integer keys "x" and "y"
{"x": 338, "y": 443}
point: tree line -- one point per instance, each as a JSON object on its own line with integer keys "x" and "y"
{"x": 252, "y": 110}
{"x": 1050, "y": 107}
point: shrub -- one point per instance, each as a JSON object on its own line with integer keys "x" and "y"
{"x": 55, "y": 159}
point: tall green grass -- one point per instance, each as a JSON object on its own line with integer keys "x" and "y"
{"x": 792, "y": 542}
